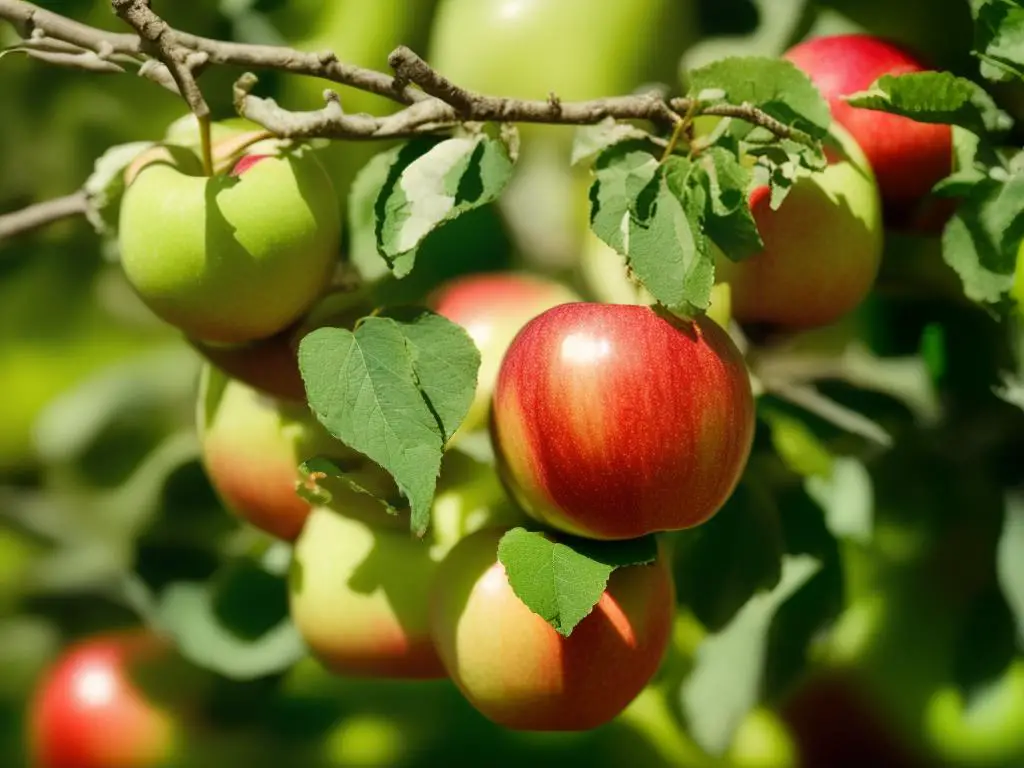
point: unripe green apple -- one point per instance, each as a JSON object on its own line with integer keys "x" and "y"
{"x": 518, "y": 671}
{"x": 614, "y": 421}
{"x": 822, "y": 247}
{"x": 359, "y": 592}
{"x": 576, "y": 49}
{"x": 88, "y": 713}
{"x": 493, "y": 308}
{"x": 236, "y": 257}
{"x": 252, "y": 445}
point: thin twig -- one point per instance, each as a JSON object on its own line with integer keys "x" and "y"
{"x": 41, "y": 214}
{"x": 182, "y": 62}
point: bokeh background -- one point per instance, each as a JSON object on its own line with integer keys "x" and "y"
{"x": 103, "y": 501}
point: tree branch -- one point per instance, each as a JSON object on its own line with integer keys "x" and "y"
{"x": 41, "y": 214}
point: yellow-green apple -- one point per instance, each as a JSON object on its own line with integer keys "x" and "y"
{"x": 518, "y": 671}
{"x": 822, "y": 247}
{"x": 233, "y": 257}
{"x": 604, "y": 272}
{"x": 615, "y": 421}
{"x": 576, "y": 49}
{"x": 87, "y": 711}
{"x": 271, "y": 365}
{"x": 252, "y": 445}
{"x": 492, "y": 308}
{"x": 907, "y": 157}
{"x": 359, "y": 592}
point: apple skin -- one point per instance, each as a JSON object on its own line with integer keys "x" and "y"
{"x": 614, "y": 421}
{"x": 88, "y": 713}
{"x": 231, "y": 259}
{"x": 521, "y": 673}
{"x": 908, "y": 157}
{"x": 576, "y": 49}
{"x": 493, "y": 308}
{"x": 359, "y": 593}
{"x": 823, "y": 247}
{"x": 252, "y": 445}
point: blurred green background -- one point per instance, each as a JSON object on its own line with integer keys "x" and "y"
{"x": 901, "y": 650}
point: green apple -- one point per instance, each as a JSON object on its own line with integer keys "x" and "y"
{"x": 234, "y": 257}
{"x": 518, "y": 671}
{"x": 252, "y": 445}
{"x": 359, "y": 592}
{"x": 822, "y": 247}
{"x": 576, "y": 49}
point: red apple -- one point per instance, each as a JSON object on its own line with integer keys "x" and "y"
{"x": 518, "y": 671}
{"x": 615, "y": 421}
{"x": 492, "y": 308}
{"x": 88, "y": 713}
{"x": 822, "y": 247}
{"x": 908, "y": 157}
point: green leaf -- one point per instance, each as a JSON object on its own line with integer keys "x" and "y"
{"x": 982, "y": 239}
{"x": 722, "y": 564}
{"x": 362, "y": 214}
{"x": 187, "y": 612}
{"x": 433, "y": 187}
{"x": 561, "y": 581}
{"x": 1010, "y": 564}
{"x": 725, "y": 682}
{"x": 591, "y": 140}
{"x": 935, "y": 97}
{"x": 846, "y": 497}
{"x": 395, "y": 390}
{"x": 652, "y": 214}
{"x": 320, "y": 474}
{"x": 999, "y": 38}
{"x": 728, "y": 220}
{"x": 797, "y": 446}
{"x": 621, "y": 173}
{"x": 775, "y": 86}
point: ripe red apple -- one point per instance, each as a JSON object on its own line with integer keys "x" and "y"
{"x": 614, "y": 421}
{"x": 88, "y": 713}
{"x": 252, "y": 445}
{"x": 518, "y": 671}
{"x": 822, "y": 247}
{"x": 359, "y": 592}
{"x": 492, "y": 308}
{"x": 908, "y": 157}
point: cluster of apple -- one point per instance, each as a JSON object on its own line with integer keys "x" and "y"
{"x": 608, "y": 421}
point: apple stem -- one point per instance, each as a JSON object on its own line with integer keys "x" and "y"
{"x": 680, "y": 127}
